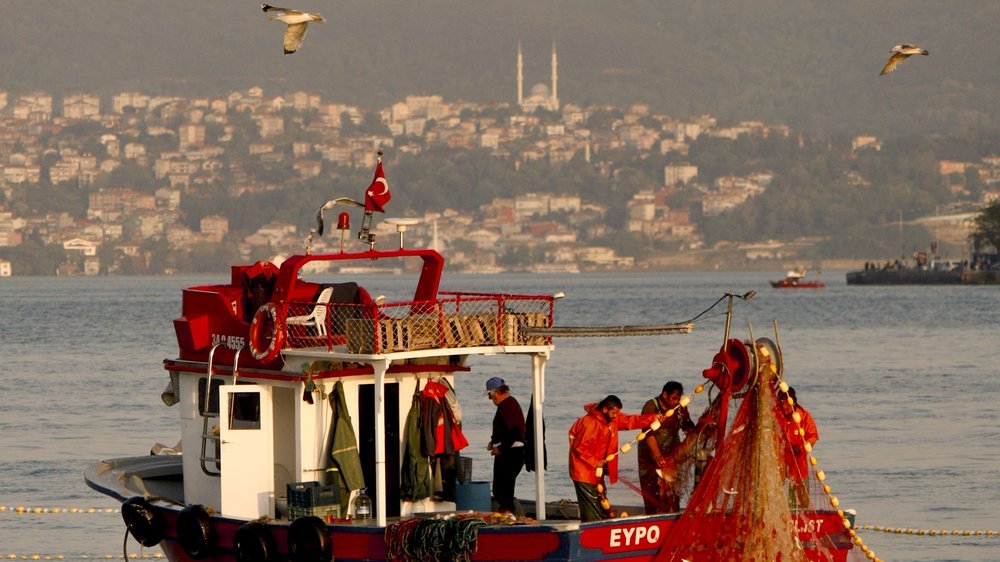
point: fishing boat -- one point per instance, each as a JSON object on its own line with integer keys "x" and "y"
{"x": 795, "y": 279}
{"x": 294, "y": 398}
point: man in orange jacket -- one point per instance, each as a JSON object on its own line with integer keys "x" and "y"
{"x": 592, "y": 439}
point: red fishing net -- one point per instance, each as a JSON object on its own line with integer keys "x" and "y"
{"x": 746, "y": 505}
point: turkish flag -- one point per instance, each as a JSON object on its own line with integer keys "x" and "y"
{"x": 377, "y": 194}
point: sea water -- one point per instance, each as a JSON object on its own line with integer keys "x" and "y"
{"x": 903, "y": 383}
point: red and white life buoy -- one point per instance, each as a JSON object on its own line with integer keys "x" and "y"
{"x": 267, "y": 333}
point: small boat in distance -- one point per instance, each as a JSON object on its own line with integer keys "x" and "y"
{"x": 795, "y": 279}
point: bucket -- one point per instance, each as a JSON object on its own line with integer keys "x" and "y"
{"x": 474, "y": 495}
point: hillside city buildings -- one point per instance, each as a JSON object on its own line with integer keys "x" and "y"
{"x": 188, "y": 144}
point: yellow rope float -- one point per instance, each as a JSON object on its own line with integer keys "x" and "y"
{"x": 158, "y": 555}
{"x": 22, "y": 510}
{"x": 929, "y": 532}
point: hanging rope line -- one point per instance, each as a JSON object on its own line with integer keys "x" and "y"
{"x": 11, "y": 556}
{"x": 609, "y": 331}
{"x": 23, "y": 510}
{"x": 928, "y": 532}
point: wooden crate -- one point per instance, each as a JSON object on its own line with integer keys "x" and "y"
{"x": 421, "y": 332}
{"x": 360, "y": 335}
{"x": 514, "y": 324}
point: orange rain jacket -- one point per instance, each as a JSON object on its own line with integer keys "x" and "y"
{"x": 592, "y": 438}
{"x": 796, "y": 457}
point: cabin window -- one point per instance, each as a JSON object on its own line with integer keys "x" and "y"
{"x": 213, "y": 399}
{"x": 244, "y": 412}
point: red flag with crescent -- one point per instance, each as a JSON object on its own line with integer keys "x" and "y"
{"x": 377, "y": 194}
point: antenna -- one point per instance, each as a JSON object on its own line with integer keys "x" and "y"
{"x": 401, "y": 225}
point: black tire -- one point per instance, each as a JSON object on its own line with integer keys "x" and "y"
{"x": 254, "y": 543}
{"x": 309, "y": 540}
{"x": 144, "y": 524}
{"x": 195, "y": 531}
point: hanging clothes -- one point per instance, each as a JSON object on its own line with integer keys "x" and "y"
{"x": 415, "y": 480}
{"x": 529, "y": 440}
{"x": 344, "y": 457}
{"x": 441, "y": 434}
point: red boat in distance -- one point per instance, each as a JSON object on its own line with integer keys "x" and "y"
{"x": 795, "y": 279}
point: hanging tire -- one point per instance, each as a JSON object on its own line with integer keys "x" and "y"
{"x": 253, "y": 543}
{"x": 309, "y": 540}
{"x": 195, "y": 531}
{"x": 267, "y": 333}
{"x": 143, "y": 523}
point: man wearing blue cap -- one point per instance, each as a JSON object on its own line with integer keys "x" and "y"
{"x": 506, "y": 444}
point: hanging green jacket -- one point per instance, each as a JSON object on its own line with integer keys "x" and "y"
{"x": 415, "y": 482}
{"x": 344, "y": 451}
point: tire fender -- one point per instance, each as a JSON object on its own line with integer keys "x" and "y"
{"x": 195, "y": 531}
{"x": 309, "y": 540}
{"x": 254, "y": 543}
{"x": 143, "y": 523}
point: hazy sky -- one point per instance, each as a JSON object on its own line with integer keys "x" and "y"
{"x": 813, "y": 64}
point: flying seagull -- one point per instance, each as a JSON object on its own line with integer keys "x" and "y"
{"x": 297, "y": 22}
{"x": 899, "y": 54}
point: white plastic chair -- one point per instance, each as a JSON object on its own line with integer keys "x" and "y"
{"x": 316, "y": 318}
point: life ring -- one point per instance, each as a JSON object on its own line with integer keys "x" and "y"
{"x": 253, "y": 543}
{"x": 267, "y": 333}
{"x": 309, "y": 540}
{"x": 144, "y": 524}
{"x": 195, "y": 531}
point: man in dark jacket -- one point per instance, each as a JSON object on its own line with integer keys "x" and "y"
{"x": 506, "y": 444}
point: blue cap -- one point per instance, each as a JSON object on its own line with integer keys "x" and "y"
{"x": 494, "y": 383}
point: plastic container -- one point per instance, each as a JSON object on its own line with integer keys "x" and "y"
{"x": 307, "y": 494}
{"x": 474, "y": 495}
{"x": 362, "y": 506}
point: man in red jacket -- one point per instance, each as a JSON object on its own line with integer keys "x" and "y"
{"x": 797, "y": 434}
{"x": 592, "y": 439}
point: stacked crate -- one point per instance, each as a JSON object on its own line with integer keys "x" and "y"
{"x": 313, "y": 498}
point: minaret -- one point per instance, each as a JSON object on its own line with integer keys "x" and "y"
{"x": 555, "y": 79}
{"x": 520, "y": 76}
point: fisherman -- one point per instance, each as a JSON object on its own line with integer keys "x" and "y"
{"x": 657, "y": 473}
{"x": 506, "y": 444}
{"x": 797, "y": 434}
{"x": 593, "y": 439}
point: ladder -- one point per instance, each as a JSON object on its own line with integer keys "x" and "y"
{"x": 210, "y": 434}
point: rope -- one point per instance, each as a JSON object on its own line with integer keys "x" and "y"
{"x": 464, "y": 537}
{"x": 609, "y": 331}
{"x": 22, "y": 510}
{"x": 929, "y": 532}
{"x": 434, "y": 540}
{"x": 13, "y": 556}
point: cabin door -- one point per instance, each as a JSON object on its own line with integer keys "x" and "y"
{"x": 247, "y": 451}
{"x": 366, "y": 443}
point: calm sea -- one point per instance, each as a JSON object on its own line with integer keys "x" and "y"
{"x": 903, "y": 383}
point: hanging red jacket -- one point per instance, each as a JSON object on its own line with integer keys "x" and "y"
{"x": 442, "y": 434}
{"x": 592, "y": 438}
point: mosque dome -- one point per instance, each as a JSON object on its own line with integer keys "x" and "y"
{"x": 539, "y": 90}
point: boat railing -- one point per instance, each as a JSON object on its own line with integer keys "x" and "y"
{"x": 456, "y": 320}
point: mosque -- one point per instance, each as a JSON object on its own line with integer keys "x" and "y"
{"x": 540, "y": 96}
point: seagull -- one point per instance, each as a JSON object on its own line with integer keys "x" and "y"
{"x": 900, "y": 53}
{"x": 297, "y": 22}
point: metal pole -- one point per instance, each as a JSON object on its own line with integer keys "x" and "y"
{"x": 380, "y": 366}
{"x": 729, "y": 320}
{"x": 538, "y": 361}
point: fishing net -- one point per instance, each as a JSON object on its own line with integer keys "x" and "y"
{"x": 743, "y": 508}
